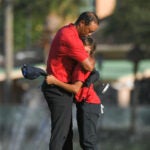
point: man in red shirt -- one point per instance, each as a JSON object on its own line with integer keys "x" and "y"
{"x": 66, "y": 51}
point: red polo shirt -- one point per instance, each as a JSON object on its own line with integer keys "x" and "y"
{"x": 85, "y": 93}
{"x": 66, "y": 50}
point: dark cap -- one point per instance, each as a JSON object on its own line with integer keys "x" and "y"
{"x": 30, "y": 72}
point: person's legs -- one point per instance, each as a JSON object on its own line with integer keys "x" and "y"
{"x": 87, "y": 118}
{"x": 68, "y": 145}
{"x": 60, "y": 105}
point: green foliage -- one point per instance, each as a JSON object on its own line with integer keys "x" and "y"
{"x": 1, "y": 29}
{"x": 29, "y": 17}
{"x": 130, "y": 22}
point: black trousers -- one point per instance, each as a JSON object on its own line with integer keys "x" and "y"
{"x": 87, "y": 118}
{"x": 60, "y": 105}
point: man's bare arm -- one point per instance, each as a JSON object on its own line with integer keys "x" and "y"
{"x": 89, "y": 63}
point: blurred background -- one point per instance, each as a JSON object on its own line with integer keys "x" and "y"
{"x": 123, "y": 60}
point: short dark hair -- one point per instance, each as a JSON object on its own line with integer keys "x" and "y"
{"x": 88, "y": 40}
{"x": 88, "y": 17}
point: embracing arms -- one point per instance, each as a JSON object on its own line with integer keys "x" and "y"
{"x": 88, "y": 64}
{"x": 73, "y": 88}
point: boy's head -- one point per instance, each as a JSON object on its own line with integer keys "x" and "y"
{"x": 89, "y": 44}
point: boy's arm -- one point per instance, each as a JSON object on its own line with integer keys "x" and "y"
{"x": 73, "y": 88}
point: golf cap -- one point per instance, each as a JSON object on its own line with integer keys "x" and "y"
{"x": 30, "y": 72}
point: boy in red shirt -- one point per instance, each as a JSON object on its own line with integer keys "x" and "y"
{"x": 87, "y": 101}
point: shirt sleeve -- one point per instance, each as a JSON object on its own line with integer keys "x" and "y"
{"x": 75, "y": 48}
{"x": 79, "y": 74}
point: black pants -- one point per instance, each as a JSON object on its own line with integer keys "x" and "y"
{"x": 87, "y": 118}
{"x": 60, "y": 105}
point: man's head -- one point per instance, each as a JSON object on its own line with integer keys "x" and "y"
{"x": 87, "y": 23}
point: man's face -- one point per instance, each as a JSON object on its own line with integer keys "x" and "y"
{"x": 86, "y": 30}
